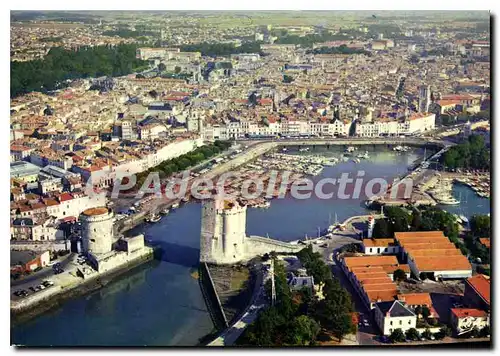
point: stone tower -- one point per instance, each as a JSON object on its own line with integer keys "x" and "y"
{"x": 223, "y": 232}
{"x": 97, "y": 230}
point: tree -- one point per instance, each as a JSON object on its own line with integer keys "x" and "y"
{"x": 485, "y": 332}
{"x": 397, "y": 335}
{"x": 288, "y": 79}
{"x": 381, "y": 229}
{"x": 418, "y": 310}
{"x": 399, "y": 275}
{"x": 446, "y": 330}
{"x": 480, "y": 225}
{"x": 302, "y": 331}
{"x": 177, "y": 70}
{"x": 427, "y": 334}
{"x": 412, "y": 334}
{"x": 474, "y": 332}
{"x": 425, "y": 312}
{"x": 162, "y": 67}
{"x": 398, "y": 218}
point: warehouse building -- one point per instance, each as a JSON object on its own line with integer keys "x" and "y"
{"x": 431, "y": 253}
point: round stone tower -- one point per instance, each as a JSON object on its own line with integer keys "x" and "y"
{"x": 97, "y": 230}
{"x": 222, "y": 231}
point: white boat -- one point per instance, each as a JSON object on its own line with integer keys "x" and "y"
{"x": 356, "y": 160}
{"x": 350, "y": 149}
{"x": 284, "y": 149}
{"x": 397, "y": 148}
{"x": 363, "y": 155}
{"x": 155, "y": 218}
{"x": 164, "y": 211}
{"x": 175, "y": 205}
{"x": 464, "y": 219}
{"x": 304, "y": 149}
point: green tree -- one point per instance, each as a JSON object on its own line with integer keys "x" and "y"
{"x": 474, "y": 332}
{"x": 481, "y": 225}
{"x": 425, "y": 312}
{"x": 485, "y": 332}
{"x": 381, "y": 229}
{"x": 162, "y": 67}
{"x": 399, "y": 275}
{"x": 302, "y": 331}
{"x": 427, "y": 334}
{"x": 397, "y": 335}
{"x": 177, "y": 70}
{"x": 412, "y": 334}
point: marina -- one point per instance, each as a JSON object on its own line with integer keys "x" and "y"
{"x": 174, "y": 313}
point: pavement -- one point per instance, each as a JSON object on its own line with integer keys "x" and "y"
{"x": 36, "y": 277}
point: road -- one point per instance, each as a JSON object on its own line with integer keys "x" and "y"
{"x": 39, "y": 276}
{"x": 259, "y": 300}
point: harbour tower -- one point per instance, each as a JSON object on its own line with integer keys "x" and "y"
{"x": 97, "y": 230}
{"x": 223, "y": 231}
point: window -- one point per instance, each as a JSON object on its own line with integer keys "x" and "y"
{"x": 378, "y": 250}
{"x": 391, "y": 322}
{"x": 390, "y": 330}
{"x": 401, "y": 322}
{"x": 409, "y": 322}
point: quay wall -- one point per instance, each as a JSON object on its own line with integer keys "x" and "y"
{"x": 54, "y": 296}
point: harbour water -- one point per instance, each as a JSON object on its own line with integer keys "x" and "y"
{"x": 160, "y": 304}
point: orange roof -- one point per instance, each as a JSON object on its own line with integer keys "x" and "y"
{"x": 363, "y": 275}
{"x": 481, "y": 284}
{"x": 378, "y": 280}
{"x": 381, "y": 296}
{"x": 386, "y": 287}
{"x": 438, "y": 252}
{"x": 415, "y": 235}
{"x": 378, "y": 242}
{"x": 416, "y": 299}
{"x": 370, "y": 261}
{"x": 441, "y": 245}
{"x": 391, "y": 269}
{"x": 448, "y": 102}
{"x": 466, "y": 312}
{"x": 96, "y": 211}
{"x": 427, "y": 264}
{"x": 485, "y": 241}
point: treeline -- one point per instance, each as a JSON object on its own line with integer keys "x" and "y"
{"x": 424, "y": 218}
{"x": 221, "y": 49}
{"x": 471, "y": 154}
{"x": 480, "y": 227}
{"x": 299, "y": 318}
{"x": 309, "y": 40}
{"x": 61, "y": 64}
{"x": 51, "y": 39}
{"x": 130, "y": 33}
{"x": 427, "y": 218}
{"x": 178, "y": 164}
{"x": 343, "y": 49}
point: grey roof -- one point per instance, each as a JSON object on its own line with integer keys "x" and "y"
{"x": 395, "y": 309}
{"x": 21, "y": 257}
{"x": 23, "y": 169}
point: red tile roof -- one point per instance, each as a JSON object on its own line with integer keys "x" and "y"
{"x": 481, "y": 285}
{"x": 466, "y": 312}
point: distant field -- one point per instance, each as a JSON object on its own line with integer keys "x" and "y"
{"x": 49, "y": 25}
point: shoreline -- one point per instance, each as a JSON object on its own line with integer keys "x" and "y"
{"x": 25, "y": 313}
